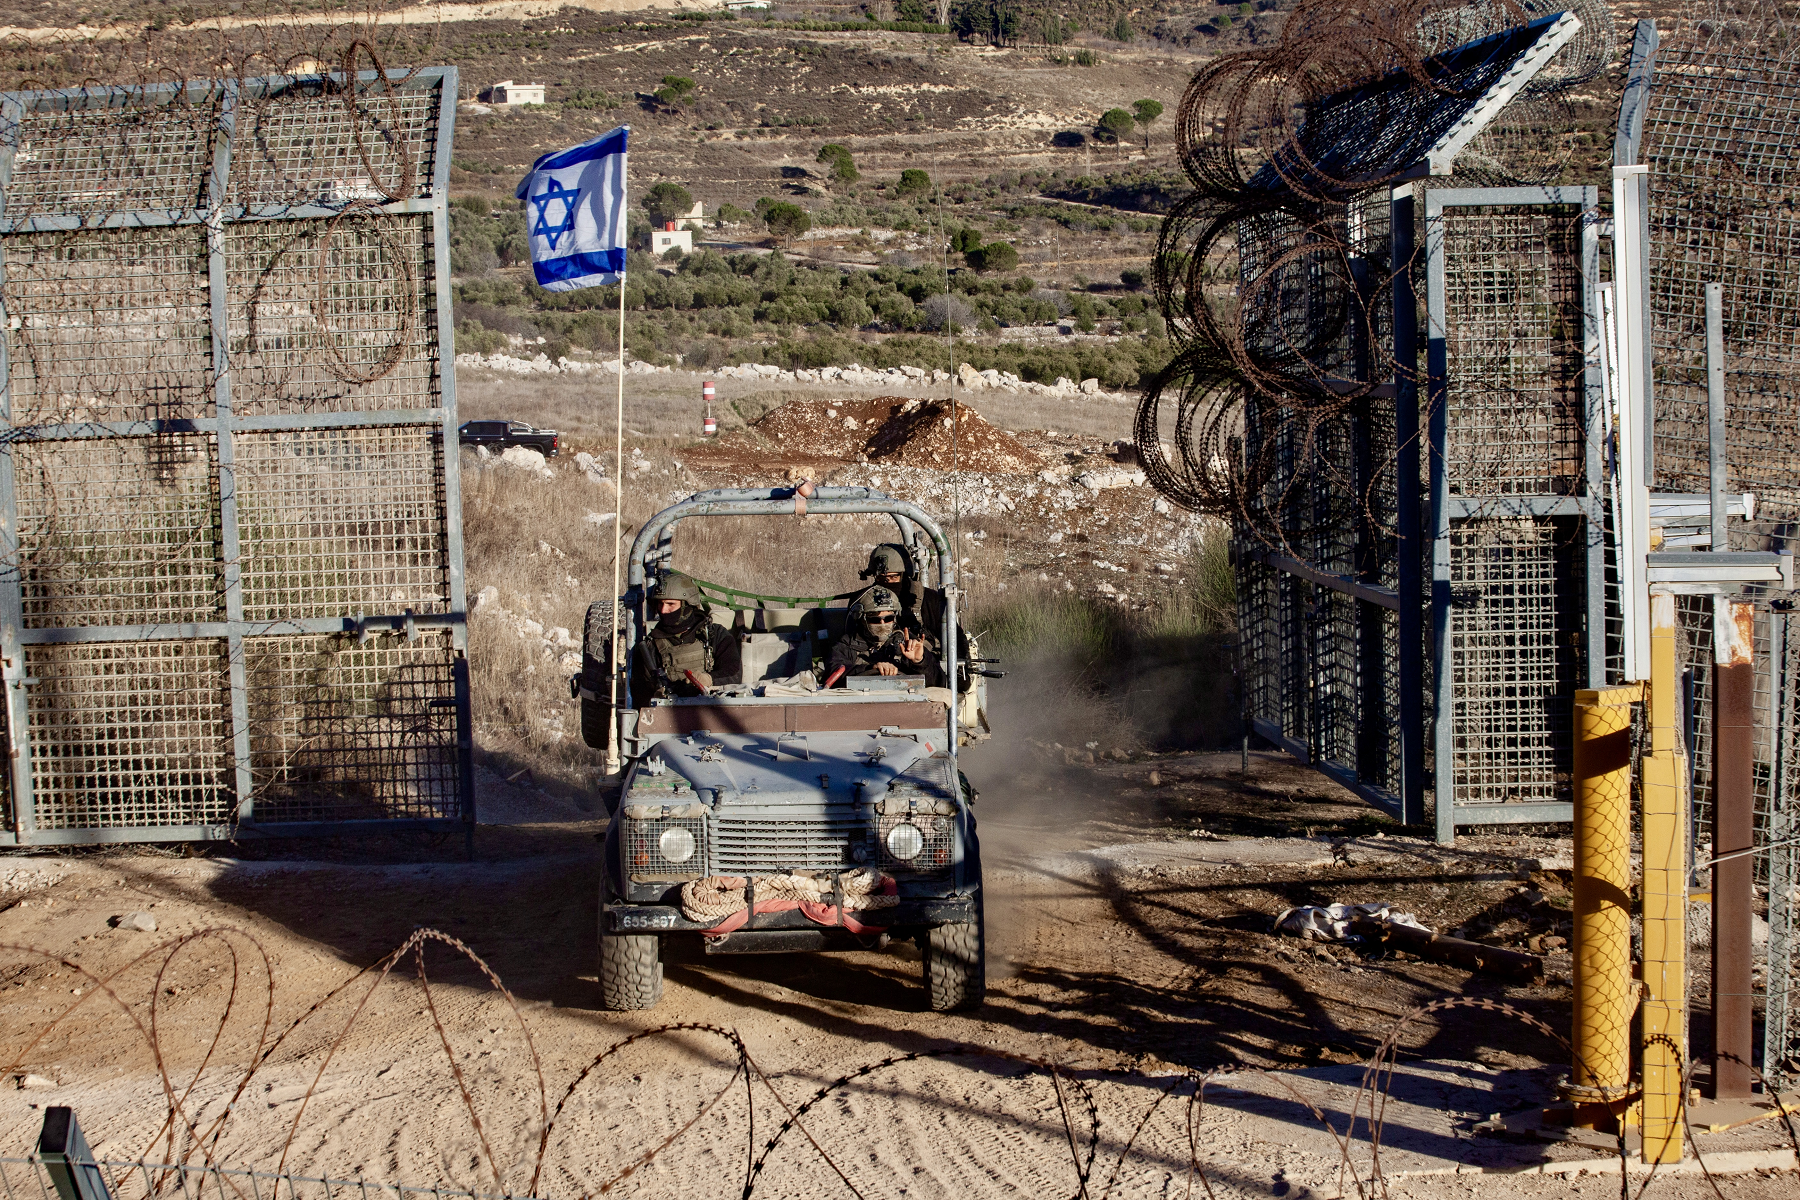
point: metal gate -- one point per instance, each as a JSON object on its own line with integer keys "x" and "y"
{"x": 231, "y": 590}
{"x": 1518, "y": 547}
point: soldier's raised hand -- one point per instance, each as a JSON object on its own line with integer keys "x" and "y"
{"x": 912, "y": 649}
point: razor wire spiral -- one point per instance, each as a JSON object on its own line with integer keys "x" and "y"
{"x": 1274, "y": 274}
{"x": 250, "y": 1038}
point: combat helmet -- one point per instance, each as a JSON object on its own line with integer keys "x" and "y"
{"x": 876, "y": 599}
{"x": 888, "y": 556}
{"x": 673, "y": 585}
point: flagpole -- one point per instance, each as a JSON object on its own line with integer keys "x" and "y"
{"x": 612, "y": 732}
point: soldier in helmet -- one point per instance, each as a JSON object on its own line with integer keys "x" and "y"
{"x": 890, "y": 566}
{"x": 684, "y": 653}
{"x": 882, "y": 640}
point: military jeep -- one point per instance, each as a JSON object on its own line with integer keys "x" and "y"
{"x": 778, "y": 815}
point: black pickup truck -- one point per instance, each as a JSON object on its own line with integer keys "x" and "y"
{"x": 501, "y": 434}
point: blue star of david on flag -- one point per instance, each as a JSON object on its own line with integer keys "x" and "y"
{"x": 556, "y": 193}
{"x": 578, "y": 237}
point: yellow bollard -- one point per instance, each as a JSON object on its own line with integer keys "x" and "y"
{"x": 1665, "y": 897}
{"x": 1605, "y": 993}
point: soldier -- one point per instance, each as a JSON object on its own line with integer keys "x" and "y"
{"x": 880, "y": 641}
{"x": 892, "y": 567}
{"x": 685, "y": 653}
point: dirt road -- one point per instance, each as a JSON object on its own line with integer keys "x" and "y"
{"x": 1126, "y": 948}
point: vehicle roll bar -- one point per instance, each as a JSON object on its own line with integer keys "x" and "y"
{"x": 793, "y": 501}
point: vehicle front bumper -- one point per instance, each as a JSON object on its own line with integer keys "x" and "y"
{"x": 911, "y": 912}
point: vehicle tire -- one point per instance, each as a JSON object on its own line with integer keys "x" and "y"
{"x": 596, "y": 674}
{"x": 631, "y": 971}
{"x": 955, "y": 969}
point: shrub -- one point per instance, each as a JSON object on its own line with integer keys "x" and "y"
{"x": 995, "y": 256}
{"x": 965, "y": 241}
{"x": 586, "y": 98}
{"x": 472, "y": 337}
{"x": 945, "y": 310}
{"x": 843, "y": 167}
{"x": 912, "y": 182}
{"x": 1122, "y": 31}
{"x": 675, "y": 88}
{"x": 785, "y": 220}
{"x": 1086, "y": 58}
{"x": 731, "y": 214}
{"x": 1132, "y": 278}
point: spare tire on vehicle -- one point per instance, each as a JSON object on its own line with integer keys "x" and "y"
{"x": 596, "y": 674}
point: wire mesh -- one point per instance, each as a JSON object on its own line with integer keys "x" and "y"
{"x": 1514, "y": 669}
{"x": 108, "y": 325}
{"x": 134, "y": 149}
{"x": 118, "y": 531}
{"x": 301, "y": 143}
{"x": 336, "y": 522}
{"x": 332, "y": 315}
{"x": 1719, "y": 139}
{"x": 131, "y": 478}
{"x": 642, "y": 848}
{"x": 1781, "y": 1028}
{"x": 128, "y": 734}
{"x": 1516, "y": 394}
{"x": 343, "y": 729}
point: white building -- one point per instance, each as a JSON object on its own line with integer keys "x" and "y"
{"x": 509, "y": 93}
{"x": 664, "y": 240}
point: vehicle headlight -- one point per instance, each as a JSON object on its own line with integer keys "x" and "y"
{"x": 905, "y": 842}
{"x": 677, "y": 844}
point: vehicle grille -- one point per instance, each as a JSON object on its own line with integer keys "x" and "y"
{"x": 748, "y": 846}
{"x": 643, "y": 847}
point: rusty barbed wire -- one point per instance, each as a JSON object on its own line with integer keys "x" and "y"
{"x": 202, "y": 1125}
{"x": 1275, "y": 275}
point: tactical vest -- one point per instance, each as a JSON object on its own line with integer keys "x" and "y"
{"x": 677, "y": 658}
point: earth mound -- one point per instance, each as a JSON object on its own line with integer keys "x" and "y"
{"x": 896, "y": 430}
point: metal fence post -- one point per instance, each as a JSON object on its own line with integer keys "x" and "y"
{"x": 1665, "y": 815}
{"x": 1604, "y": 992}
{"x": 66, "y": 1157}
{"x": 1408, "y": 507}
{"x": 1734, "y": 817}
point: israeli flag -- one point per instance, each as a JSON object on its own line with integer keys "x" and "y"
{"x": 575, "y": 212}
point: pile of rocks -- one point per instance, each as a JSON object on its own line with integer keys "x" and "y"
{"x": 556, "y": 644}
{"x": 541, "y": 364}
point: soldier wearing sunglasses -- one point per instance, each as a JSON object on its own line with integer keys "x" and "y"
{"x": 879, "y": 640}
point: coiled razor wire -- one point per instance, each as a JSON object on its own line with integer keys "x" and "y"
{"x": 193, "y": 1126}
{"x": 1274, "y": 274}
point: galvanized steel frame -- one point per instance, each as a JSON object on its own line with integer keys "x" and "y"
{"x": 216, "y": 216}
{"x": 1447, "y": 512}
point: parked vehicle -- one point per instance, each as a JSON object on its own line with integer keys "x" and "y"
{"x": 779, "y": 814}
{"x": 498, "y": 435}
